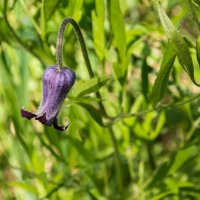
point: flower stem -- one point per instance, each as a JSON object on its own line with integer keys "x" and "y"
{"x": 117, "y": 160}
{"x": 59, "y": 52}
{"x": 79, "y": 35}
{"x": 113, "y": 120}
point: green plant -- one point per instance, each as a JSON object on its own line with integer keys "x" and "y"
{"x": 133, "y": 111}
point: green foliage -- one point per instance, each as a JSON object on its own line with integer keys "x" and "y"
{"x": 98, "y": 17}
{"x": 198, "y": 49}
{"x": 178, "y": 44}
{"x": 160, "y": 84}
{"x": 133, "y": 127}
{"x": 119, "y": 34}
{"x": 90, "y": 86}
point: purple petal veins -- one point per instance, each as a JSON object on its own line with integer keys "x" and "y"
{"x": 56, "y": 85}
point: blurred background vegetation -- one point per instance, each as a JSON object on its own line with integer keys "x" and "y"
{"x": 131, "y": 150}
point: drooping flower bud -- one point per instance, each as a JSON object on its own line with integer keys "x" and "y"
{"x": 56, "y": 85}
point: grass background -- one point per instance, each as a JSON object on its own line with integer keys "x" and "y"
{"x": 132, "y": 150}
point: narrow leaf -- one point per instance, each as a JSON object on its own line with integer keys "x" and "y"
{"x": 74, "y": 9}
{"x": 194, "y": 16}
{"x": 90, "y": 86}
{"x": 85, "y": 153}
{"x": 198, "y": 49}
{"x": 119, "y": 33}
{"x": 95, "y": 114}
{"x": 176, "y": 161}
{"x": 98, "y": 29}
{"x": 24, "y": 186}
{"x": 178, "y": 44}
{"x": 49, "y": 7}
{"x": 160, "y": 84}
{"x": 181, "y": 157}
{"x": 118, "y": 27}
{"x": 197, "y": 2}
{"x": 5, "y": 32}
{"x": 162, "y": 195}
{"x": 145, "y": 72}
{"x": 159, "y": 126}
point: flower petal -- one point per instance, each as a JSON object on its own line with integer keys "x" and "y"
{"x": 47, "y": 77}
{"x": 42, "y": 119}
{"x": 60, "y": 128}
{"x": 27, "y": 114}
{"x": 56, "y": 85}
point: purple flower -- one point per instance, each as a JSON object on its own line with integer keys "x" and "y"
{"x": 56, "y": 85}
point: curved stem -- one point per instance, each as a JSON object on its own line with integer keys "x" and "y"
{"x": 113, "y": 120}
{"x": 81, "y": 40}
{"x": 59, "y": 52}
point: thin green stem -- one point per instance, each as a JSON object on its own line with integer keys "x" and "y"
{"x": 55, "y": 189}
{"x": 158, "y": 108}
{"x": 79, "y": 35}
{"x": 117, "y": 160}
{"x": 151, "y": 156}
{"x": 179, "y": 103}
{"x": 49, "y": 147}
{"x": 59, "y": 52}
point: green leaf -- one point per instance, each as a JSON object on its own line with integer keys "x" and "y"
{"x": 145, "y": 72}
{"x": 98, "y": 29}
{"x": 85, "y": 153}
{"x": 74, "y": 9}
{"x": 179, "y": 45}
{"x": 118, "y": 27}
{"x": 145, "y": 80}
{"x": 24, "y": 186}
{"x": 49, "y": 7}
{"x": 90, "y": 86}
{"x": 181, "y": 157}
{"x": 160, "y": 84}
{"x": 84, "y": 99}
{"x": 177, "y": 160}
{"x": 119, "y": 33}
{"x": 198, "y": 49}
{"x": 197, "y": 2}
{"x": 162, "y": 195}
{"x": 159, "y": 126}
{"x": 5, "y": 34}
{"x": 121, "y": 70}
{"x": 194, "y": 15}
{"x": 95, "y": 114}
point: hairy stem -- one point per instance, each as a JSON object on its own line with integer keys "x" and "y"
{"x": 59, "y": 51}
{"x": 79, "y": 35}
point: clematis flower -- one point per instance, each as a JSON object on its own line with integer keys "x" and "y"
{"x": 56, "y": 85}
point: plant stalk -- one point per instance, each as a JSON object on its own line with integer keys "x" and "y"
{"x": 117, "y": 160}
{"x": 59, "y": 52}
